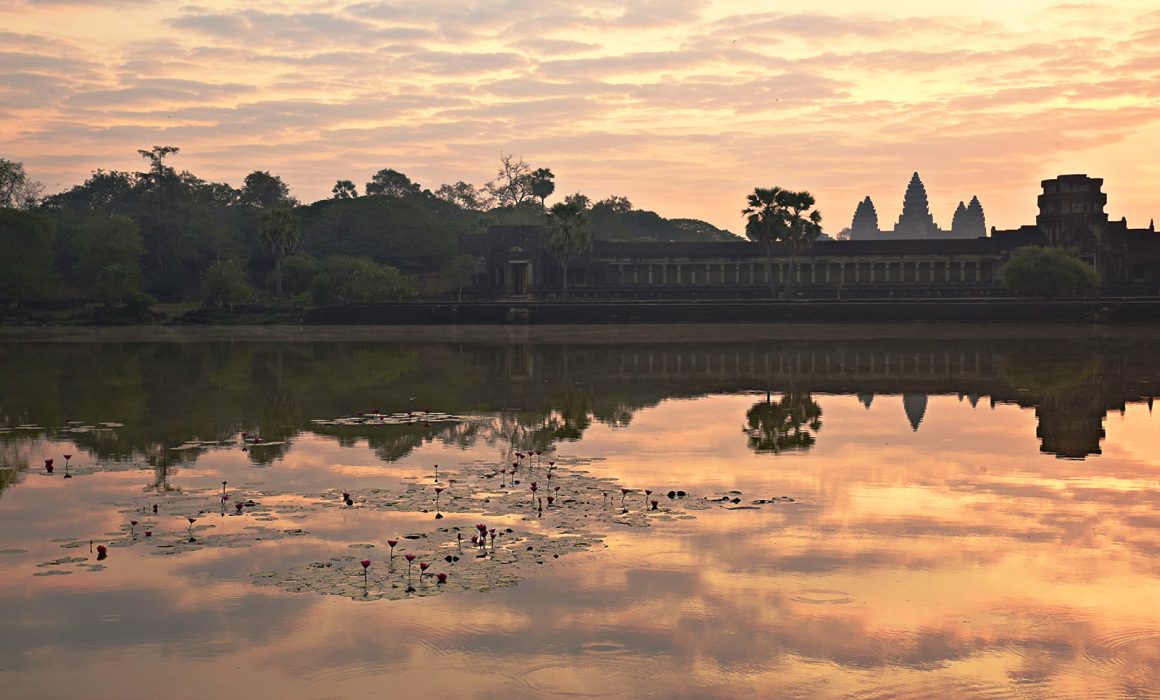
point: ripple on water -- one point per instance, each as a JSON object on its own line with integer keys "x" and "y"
{"x": 588, "y": 678}
{"x": 921, "y": 689}
{"x": 1132, "y": 646}
{"x": 821, "y": 596}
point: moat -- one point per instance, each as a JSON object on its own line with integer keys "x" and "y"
{"x": 820, "y": 511}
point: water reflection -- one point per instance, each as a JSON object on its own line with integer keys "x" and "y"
{"x": 165, "y": 394}
{"x": 932, "y": 550}
{"x": 786, "y": 424}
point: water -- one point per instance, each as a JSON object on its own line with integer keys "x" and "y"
{"x": 973, "y": 513}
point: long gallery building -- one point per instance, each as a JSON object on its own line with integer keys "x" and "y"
{"x": 515, "y": 263}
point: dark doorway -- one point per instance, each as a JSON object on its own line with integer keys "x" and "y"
{"x": 518, "y": 278}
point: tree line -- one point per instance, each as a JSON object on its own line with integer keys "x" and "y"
{"x": 132, "y": 239}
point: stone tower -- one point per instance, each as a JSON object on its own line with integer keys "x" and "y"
{"x": 865, "y": 224}
{"x": 975, "y": 222}
{"x": 959, "y": 221}
{"x": 915, "y": 221}
{"x": 1071, "y": 211}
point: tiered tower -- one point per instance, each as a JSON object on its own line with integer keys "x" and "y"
{"x": 865, "y": 224}
{"x": 968, "y": 221}
{"x": 1071, "y": 211}
{"x": 915, "y": 221}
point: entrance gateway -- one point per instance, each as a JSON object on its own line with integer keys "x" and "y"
{"x": 518, "y": 277}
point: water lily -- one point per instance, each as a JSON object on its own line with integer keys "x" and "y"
{"x": 441, "y": 577}
{"x": 102, "y": 552}
{"x": 48, "y": 465}
{"x": 391, "y": 544}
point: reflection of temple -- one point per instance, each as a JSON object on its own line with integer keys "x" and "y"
{"x": 1070, "y": 394}
{"x": 918, "y": 259}
{"x": 915, "y": 407}
{"x": 536, "y": 394}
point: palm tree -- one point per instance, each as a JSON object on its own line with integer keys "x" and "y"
{"x": 569, "y": 235}
{"x": 781, "y": 216}
{"x": 803, "y": 226}
{"x": 280, "y": 235}
{"x": 766, "y": 223}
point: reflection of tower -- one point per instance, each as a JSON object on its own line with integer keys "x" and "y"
{"x": 1071, "y": 425}
{"x": 915, "y": 407}
{"x": 866, "y": 399}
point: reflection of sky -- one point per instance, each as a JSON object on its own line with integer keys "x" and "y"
{"x": 954, "y": 560}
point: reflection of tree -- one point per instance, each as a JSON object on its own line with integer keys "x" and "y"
{"x": 784, "y": 425}
{"x": 572, "y": 418}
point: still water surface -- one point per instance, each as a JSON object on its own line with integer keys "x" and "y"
{"x": 973, "y": 513}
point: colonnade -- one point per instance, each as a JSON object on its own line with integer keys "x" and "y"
{"x": 885, "y": 271}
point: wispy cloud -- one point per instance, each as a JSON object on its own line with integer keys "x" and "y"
{"x": 683, "y": 106}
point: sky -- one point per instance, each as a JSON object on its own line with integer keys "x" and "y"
{"x": 683, "y": 106}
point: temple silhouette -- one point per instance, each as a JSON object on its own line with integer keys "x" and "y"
{"x": 916, "y": 259}
{"x": 916, "y": 221}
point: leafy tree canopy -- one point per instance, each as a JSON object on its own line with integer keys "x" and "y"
{"x": 26, "y": 267}
{"x": 391, "y": 183}
{"x": 17, "y": 190}
{"x": 1047, "y": 271}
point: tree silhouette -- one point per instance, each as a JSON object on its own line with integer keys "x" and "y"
{"x": 781, "y": 216}
{"x": 785, "y": 425}
{"x": 542, "y": 185}
{"x": 391, "y": 183}
{"x": 280, "y": 236}
{"x": 569, "y": 235}
{"x": 344, "y": 189}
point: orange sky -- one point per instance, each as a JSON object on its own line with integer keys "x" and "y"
{"x": 683, "y": 106}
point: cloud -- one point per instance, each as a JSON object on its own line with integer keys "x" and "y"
{"x": 713, "y": 95}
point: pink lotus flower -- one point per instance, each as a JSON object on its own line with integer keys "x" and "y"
{"x": 409, "y": 557}
{"x": 391, "y": 544}
{"x": 148, "y": 533}
{"x": 441, "y": 577}
{"x": 102, "y": 552}
{"x": 654, "y": 503}
{"x": 239, "y": 505}
{"x": 365, "y": 564}
{"x": 48, "y": 465}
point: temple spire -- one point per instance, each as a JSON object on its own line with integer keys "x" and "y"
{"x": 915, "y": 221}
{"x": 959, "y": 221}
{"x": 865, "y": 223}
